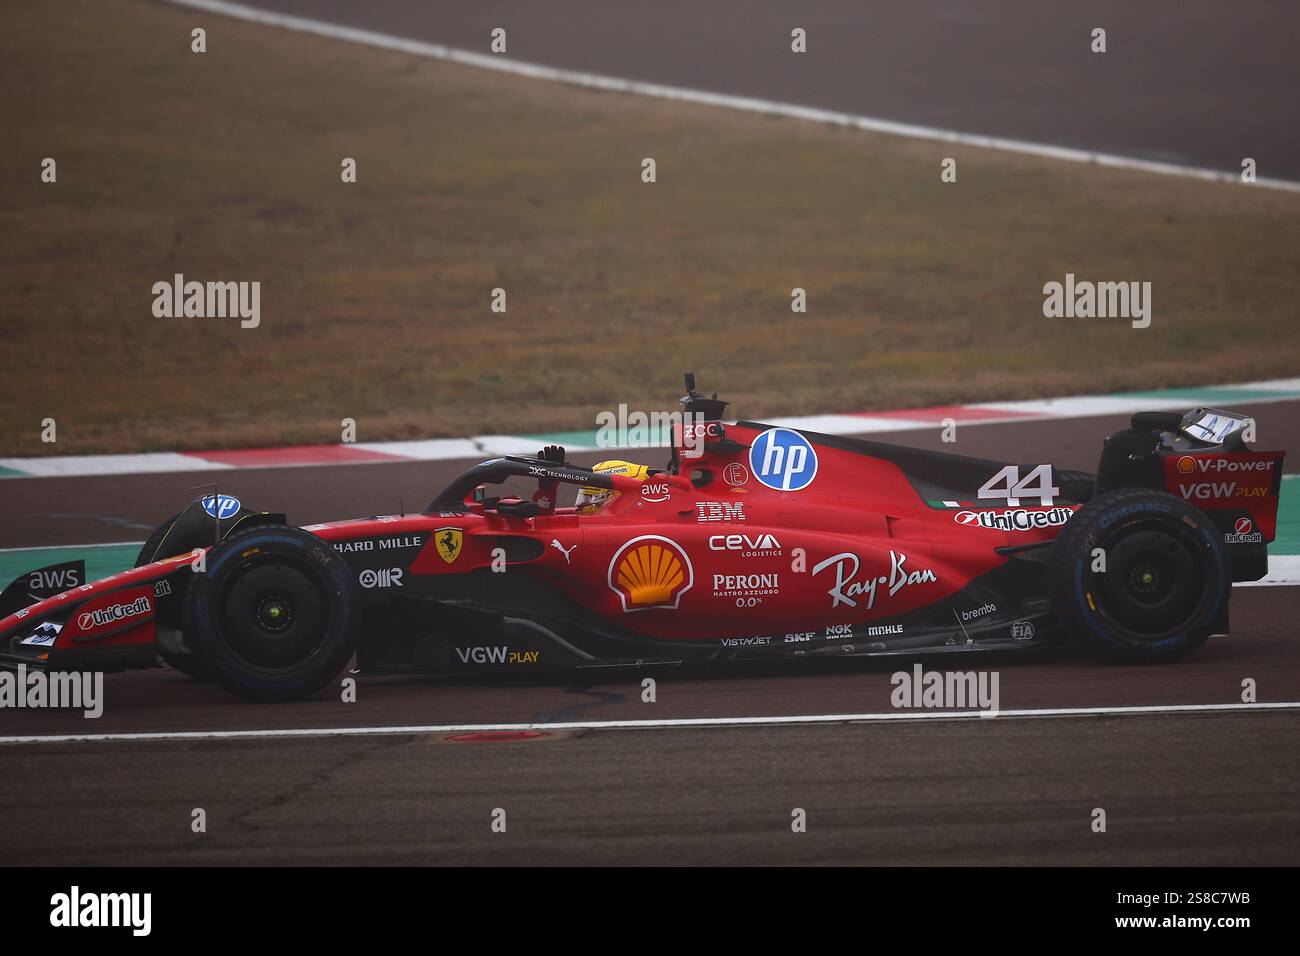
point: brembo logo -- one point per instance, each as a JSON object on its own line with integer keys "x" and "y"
{"x": 1014, "y": 520}
{"x": 977, "y": 612}
{"x": 114, "y": 612}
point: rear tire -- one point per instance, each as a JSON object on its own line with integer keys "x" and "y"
{"x": 275, "y": 616}
{"x": 1166, "y": 580}
{"x": 1080, "y": 486}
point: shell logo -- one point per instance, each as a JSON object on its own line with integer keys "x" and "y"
{"x": 1187, "y": 464}
{"x": 650, "y": 571}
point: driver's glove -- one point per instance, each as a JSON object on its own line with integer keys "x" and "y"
{"x": 547, "y": 487}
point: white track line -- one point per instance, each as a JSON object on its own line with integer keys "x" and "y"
{"x": 750, "y": 104}
{"x": 74, "y": 547}
{"x": 681, "y": 723}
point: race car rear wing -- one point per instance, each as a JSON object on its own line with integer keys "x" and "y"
{"x": 1203, "y": 457}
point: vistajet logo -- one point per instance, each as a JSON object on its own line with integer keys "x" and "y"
{"x": 78, "y": 909}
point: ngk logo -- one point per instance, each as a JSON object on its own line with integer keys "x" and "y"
{"x": 112, "y": 613}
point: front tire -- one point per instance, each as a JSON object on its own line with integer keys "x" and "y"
{"x": 1165, "y": 583}
{"x": 275, "y": 616}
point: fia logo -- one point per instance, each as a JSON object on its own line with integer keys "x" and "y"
{"x": 783, "y": 460}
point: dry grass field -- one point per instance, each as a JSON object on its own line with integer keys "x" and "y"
{"x": 375, "y": 295}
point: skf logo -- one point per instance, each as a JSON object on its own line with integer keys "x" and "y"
{"x": 1186, "y": 464}
{"x": 381, "y": 578}
{"x": 650, "y": 571}
{"x": 449, "y": 541}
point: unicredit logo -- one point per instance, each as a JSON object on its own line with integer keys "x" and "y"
{"x": 114, "y": 612}
{"x": 1014, "y": 520}
{"x": 1243, "y": 526}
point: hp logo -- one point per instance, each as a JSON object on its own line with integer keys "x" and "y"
{"x": 222, "y": 506}
{"x": 783, "y": 459}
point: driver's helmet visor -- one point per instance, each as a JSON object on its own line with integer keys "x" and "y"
{"x": 591, "y": 498}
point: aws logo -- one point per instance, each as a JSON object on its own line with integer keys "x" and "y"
{"x": 650, "y": 571}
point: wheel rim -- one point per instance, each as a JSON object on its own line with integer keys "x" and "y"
{"x": 1153, "y": 586}
{"x": 275, "y": 615}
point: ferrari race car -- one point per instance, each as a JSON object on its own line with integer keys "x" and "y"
{"x": 754, "y": 541}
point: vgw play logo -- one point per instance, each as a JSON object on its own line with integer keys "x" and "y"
{"x": 783, "y": 460}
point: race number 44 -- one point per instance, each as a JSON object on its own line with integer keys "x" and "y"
{"x": 1008, "y": 485}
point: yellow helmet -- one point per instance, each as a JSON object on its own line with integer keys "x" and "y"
{"x": 590, "y": 498}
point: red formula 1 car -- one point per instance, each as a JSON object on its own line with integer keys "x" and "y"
{"x": 755, "y": 541}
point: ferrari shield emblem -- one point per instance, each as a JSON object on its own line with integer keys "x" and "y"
{"x": 449, "y": 541}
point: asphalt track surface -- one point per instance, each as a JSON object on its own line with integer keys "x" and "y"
{"x": 1203, "y": 788}
{"x": 1193, "y": 82}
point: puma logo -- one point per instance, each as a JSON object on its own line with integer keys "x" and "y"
{"x": 555, "y": 543}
